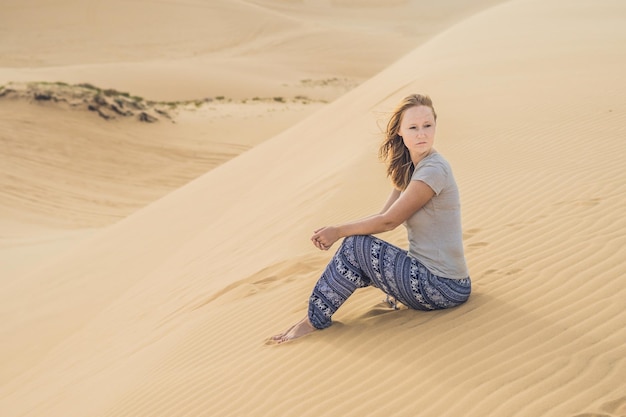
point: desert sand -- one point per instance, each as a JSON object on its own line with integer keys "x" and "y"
{"x": 144, "y": 264}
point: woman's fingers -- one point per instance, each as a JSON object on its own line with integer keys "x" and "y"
{"x": 321, "y": 241}
{"x": 316, "y": 242}
{"x": 319, "y": 244}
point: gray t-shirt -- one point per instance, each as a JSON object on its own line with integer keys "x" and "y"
{"x": 435, "y": 234}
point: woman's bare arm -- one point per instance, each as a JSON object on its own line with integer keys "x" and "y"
{"x": 397, "y": 210}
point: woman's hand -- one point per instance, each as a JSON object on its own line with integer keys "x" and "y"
{"x": 324, "y": 238}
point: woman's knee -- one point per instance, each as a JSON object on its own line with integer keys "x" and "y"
{"x": 350, "y": 243}
{"x": 356, "y": 239}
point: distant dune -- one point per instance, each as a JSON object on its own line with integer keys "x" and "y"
{"x": 184, "y": 50}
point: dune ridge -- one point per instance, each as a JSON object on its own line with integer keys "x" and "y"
{"x": 176, "y": 326}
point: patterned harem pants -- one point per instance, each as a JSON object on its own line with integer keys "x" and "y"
{"x": 365, "y": 260}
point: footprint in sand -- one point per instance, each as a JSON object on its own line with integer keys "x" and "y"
{"x": 477, "y": 245}
{"x": 470, "y": 232}
{"x": 502, "y": 272}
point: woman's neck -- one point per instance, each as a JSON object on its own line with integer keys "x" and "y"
{"x": 418, "y": 158}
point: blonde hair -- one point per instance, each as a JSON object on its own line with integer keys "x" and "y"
{"x": 392, "y": 151}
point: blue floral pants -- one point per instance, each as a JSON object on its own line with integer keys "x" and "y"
{"x": 365, "y": 260}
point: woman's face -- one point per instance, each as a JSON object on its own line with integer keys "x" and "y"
{"x": 417, "y": 129}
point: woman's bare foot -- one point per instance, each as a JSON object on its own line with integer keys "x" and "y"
{"x": 301, "y": 328}
{"x": 279, "y": 336}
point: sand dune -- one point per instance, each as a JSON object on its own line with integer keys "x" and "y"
{"x": 165, "y": 312}
{"x": 237, "y": 49}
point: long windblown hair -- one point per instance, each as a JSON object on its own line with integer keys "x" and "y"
{"x": 392, "y": 151}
